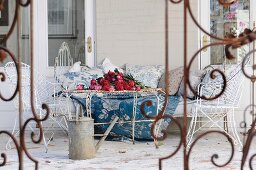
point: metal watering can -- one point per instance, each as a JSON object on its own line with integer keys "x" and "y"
{"x": 81, "y": 138}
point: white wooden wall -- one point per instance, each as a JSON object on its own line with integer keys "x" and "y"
{"x": 133, "y": 32}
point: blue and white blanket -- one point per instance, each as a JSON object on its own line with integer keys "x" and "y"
{"x": 106, "y": 107}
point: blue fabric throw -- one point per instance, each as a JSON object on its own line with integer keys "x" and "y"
{"x": 105, "y": 108}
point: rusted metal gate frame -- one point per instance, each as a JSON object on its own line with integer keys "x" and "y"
{"x": 231, "y": 42}
{"x": 21, "y": 145}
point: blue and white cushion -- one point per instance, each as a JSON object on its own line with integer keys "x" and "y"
{"x": 149, "y": 75}
{"x": 69, "y": 80}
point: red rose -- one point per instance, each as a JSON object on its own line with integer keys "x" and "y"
{"x": 119, "y": 86}
{"x": 138, "y": 88}
{"x": 112, "y": 88}
{"x": 106, "y": 87}
{"x": 100, "y": 80}
{"x": 106, "y": 83}
{"x": 126, "y": 86}
{"x": 131, "y": 83}
{"x": 113, "y": 79}
{"x": 80, "y": 87}
{"x": 119, "y": 77}
{"x": 92, "y": 87}
{"x": 93, "y": 82}
{"x": 111, "y": 73}
{"x": 98, "y": 87}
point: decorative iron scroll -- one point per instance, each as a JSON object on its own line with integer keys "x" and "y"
{"x": 230, "y": 42}
{"x": 4, "y": 53}
{"x": 233, "y": 42}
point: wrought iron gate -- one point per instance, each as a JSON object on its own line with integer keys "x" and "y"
{"x": 5, "y": 52}
{"x": 246, "y": 37}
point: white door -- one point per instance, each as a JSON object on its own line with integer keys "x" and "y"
{"x": 204, "y": 15}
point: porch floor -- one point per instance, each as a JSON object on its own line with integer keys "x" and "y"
{"x": 125, "y": 155}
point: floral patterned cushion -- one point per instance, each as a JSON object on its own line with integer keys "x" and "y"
{"x": 230, "y": 72}
{"x": 195, "y": 77}
{"x": 69, "y": 80}
{"x": 176, "y": 76}
{"x": 149, "y": 75}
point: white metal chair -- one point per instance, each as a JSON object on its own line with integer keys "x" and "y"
{"x": 45, "y": 92}
{"x": 210, "y": 113}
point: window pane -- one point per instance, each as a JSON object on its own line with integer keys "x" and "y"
{"x": 66, "y": 24}
{"x": 7, "y": 16}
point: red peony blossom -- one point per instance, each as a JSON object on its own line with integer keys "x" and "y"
{"x": 112, "y": 88}
{"x": 111, "y": 73}
{"x": 92, "y": 87}
{"x": 80, "y": 87}
{"x": 115, "y": 81}
{"x": 106, "y": 83}
{"x": 100, "y": 80}
{"x": 118, "y": 77}
{"x": 108, "y": 88}
{"x": 131, "y": 83}
{"x": 97, "y": 87}
{"x": 138, "y": 88}
{"x": 93, "y": 82}
{"x": 119, "y": 86}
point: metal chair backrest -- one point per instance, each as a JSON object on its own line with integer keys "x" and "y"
{"x": 11, "y": 73}
{"x": 232, "y": 94}
{"x": 42, "y": 88}
{"x": 63, "y": 62}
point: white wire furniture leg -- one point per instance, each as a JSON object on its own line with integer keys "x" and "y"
{"x": 192, "y": 127}
{"x": 233, "y": 128}
{"x": 8, "y": 144}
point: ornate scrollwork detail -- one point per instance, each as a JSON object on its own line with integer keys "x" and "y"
{"x": 227, "y": 2}
{"x": 175, "y": 2}
{"x": 24, "y": 4}
{"x": 150, "y": 103}
{"x": 214, "y": 156}
{"x": 251, "y": 134}
{"x": 251, "y": 160}
{"x": 14, "y": 21}
{"x": 36, "y": 141}
{"x": 245, "y": 60}
{"x": 3, "y": 155}
{"x": 2, "y": 75}
{"x": 38, "y": 120}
